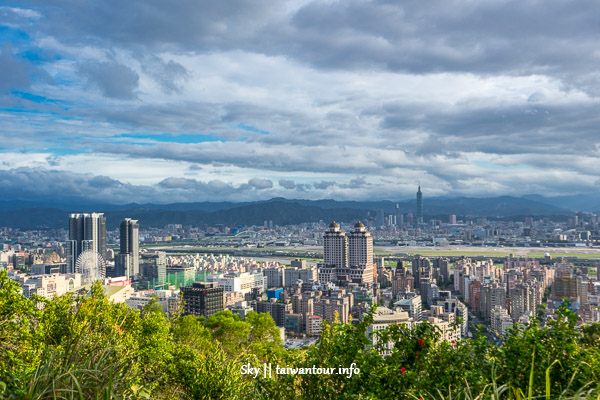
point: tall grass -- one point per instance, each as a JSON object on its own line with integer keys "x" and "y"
{"x": 81, "y": 370}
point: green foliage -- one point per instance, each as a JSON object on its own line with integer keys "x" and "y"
{"x": 85, "y": 347}
{"x": 19, "y": 334}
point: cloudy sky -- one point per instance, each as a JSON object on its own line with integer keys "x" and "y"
{"x": 121, "y": 101}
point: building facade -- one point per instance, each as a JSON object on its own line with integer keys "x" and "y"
{"x": 86, "y": 232}
{"x": 127, "y": 262}
{"x": 202, "y": 299}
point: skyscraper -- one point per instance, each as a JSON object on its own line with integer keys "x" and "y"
{"x": 86, "y": 232}
{"x": 419, "y": 206}
{"x": 335, "y": 246}
{"x": 127, "y": 261}
{"x": 347, "y": 259}
{"x": 153, "y": 268}
{"x": 360, "y": 251}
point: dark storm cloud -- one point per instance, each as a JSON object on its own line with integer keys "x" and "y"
{"x": 111, "y": 78}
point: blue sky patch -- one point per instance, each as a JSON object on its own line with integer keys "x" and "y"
{"x": 171, "y": 138}
{"x": 8, "y": 34}
{"x": 250, "y": 128}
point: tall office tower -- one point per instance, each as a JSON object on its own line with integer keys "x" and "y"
{"x": 202, "y": 299}
{"x": 86, "y": 232}
{"x": 335, "y": 247}
{"x": 127, "y": 262}
{"x": 360, "y": 249}
{"x": 380, "y": 219}
{"x": 419, "y": 206}
{"x": 153, "y": 269}
{"x": 410, "y": 218}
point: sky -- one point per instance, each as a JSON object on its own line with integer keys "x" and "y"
{"x": 188, "y": 100}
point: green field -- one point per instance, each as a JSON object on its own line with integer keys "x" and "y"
{"x": 580, "y": 255}
{"x": 456, "y": 253}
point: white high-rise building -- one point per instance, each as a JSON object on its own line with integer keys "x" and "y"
{"x": 347, "y": 261}
{"x": 335, "y": 250}
{"x": 361, "y": 247}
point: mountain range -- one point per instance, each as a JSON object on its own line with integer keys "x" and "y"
{"x": 36, "y": 214}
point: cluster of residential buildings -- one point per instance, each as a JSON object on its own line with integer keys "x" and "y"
{"x": 301, "y": 296}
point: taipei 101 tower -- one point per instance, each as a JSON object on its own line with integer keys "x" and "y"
{"x": 419, "y": 206}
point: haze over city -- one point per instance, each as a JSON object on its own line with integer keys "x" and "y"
{"x": 305, "y": 99}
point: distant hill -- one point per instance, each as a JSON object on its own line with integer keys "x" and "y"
{"x": 580, "y": 202}
{"x": 280, "y": 211}
{"x": 503, "y": 206}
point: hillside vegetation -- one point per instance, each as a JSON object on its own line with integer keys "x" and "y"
{"x": 89, "y": 348}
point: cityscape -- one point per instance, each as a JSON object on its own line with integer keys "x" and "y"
{"x": 299, "y": 199}
{"x": 303, "y": 275}
{"x": 394, "y": 269}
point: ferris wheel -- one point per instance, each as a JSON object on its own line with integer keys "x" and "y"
{"x": 91, "y": 266}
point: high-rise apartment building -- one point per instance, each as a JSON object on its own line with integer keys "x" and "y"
{"x": 360, "y": 250}
{"x": 441, "y": 267}
{"x": 276, "y": 309}
{"x": 292, "y": 275}
{"x": 500, "y": 320}
{"x": 492, "y": 295}
{"x": 86, "y": 232}
{"x": 275, "y": 276}
{"x": 475, "y": 296}
{"x": 411, "y": 303}
{"x": 127, "y": 262}
{"x": 343, "y": 262}
{"x": 402, "y": 281}
{"x": 421, "y": 268}
{"x": 335, "y": 246}
{"x": 522, "y": 300}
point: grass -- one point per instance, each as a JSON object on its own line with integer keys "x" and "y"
{"x": 456, "y": 253}
{"x": 579, "y": 255}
